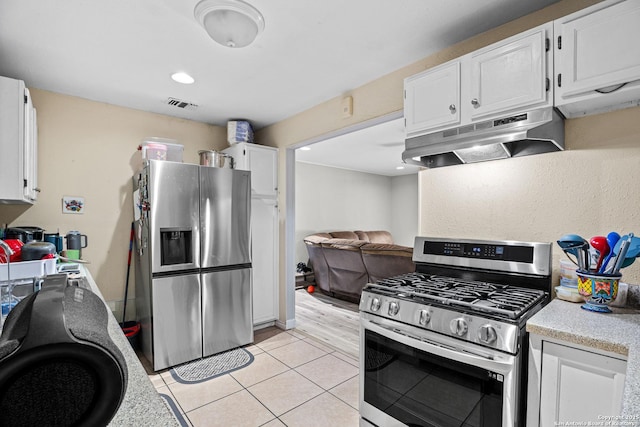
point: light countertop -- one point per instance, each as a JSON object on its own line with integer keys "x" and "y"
{"x": 617, "y": 332}
{"x": 142, "y": 405}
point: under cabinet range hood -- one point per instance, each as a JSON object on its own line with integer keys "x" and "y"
{"x": 535, "y": 132}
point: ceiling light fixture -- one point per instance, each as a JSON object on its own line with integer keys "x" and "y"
{"x": 399, "y": 168}
{"x": 232, "y": 23}
{"x": 183, "y": 78}
{"x": 305, "y": 148}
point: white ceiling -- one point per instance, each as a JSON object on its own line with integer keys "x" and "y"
{"x": 123, "y": 52}
{"x": 376, "y": 149}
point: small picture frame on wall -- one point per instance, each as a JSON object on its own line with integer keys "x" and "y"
{"x": 72, "y": 205}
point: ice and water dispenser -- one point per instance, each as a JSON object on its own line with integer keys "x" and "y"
{"x": 175, "y": 246}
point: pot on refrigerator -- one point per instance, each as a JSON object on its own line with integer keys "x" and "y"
{"x": 216, "y": 159}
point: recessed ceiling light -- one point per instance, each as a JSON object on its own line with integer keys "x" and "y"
{"x": 183, "y": 78}
{"x": 305, "y": 148}
{"x": 399, "y": 167}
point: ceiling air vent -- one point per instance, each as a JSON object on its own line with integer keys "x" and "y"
{"x": 181, "y": 104}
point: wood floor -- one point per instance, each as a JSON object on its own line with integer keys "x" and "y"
{"x": 330, "y": 320}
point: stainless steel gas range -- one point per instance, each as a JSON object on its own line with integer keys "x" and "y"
{"x": 446, "y": 345}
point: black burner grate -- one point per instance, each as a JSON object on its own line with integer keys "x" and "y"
{"x": 505, "y": 300}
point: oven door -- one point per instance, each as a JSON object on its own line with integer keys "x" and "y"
{"x": 410, "y": 376}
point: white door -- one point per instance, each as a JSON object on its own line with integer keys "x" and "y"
{"x": 264, "y": 247}
{"x": 578, "y": 385}
{"x": 508, "y": 77}
{"x": 432, "y": 99}
{"x": 597, "y": 50}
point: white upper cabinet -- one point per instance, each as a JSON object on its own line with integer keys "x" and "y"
{"x": 262, "y": 161}
{"x": 597, "y": 58}
{"x": 505, "y": 78}
{"x": 18, "y": 144}
{"x": 510, "y": 75}
{"x": 432, "y": 98}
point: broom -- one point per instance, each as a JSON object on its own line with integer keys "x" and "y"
{"x": 131, "y": 328}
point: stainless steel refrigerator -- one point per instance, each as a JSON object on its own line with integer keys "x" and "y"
{"x": 193, "y": 263}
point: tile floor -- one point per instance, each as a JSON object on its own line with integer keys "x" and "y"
{"x": 293, "y": 381}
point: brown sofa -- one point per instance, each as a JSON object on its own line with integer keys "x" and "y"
{"x": 343, "y": 262}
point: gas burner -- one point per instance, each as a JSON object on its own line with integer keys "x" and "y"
{"x": 404, "y": 280}
{"x": 499, "y": 299}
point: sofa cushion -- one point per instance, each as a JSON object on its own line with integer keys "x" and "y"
{"x": 344, "y": 235}
{"x": 377, "y": 236}
{"x": 317, "y": 238}
{"x": 387, "y": 249}
{"x": 345, "y": 244}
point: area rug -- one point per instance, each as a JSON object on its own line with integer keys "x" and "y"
{"x": 168, "y": 400}
{"x": 212, "y": 366}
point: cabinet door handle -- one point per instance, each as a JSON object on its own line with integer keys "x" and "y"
{"x": 452, "y": 108}
{"x": 475, "y": 102}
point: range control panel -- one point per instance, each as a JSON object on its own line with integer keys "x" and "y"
{"x": 499, "y": 255}
{"x": 479, "y": 250}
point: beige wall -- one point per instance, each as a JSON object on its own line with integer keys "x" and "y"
{"x": 89, "y": 149}
{"x": 589, "y": 189}
{"x": 404, "y": 209}
{"x": 330, "y": 199}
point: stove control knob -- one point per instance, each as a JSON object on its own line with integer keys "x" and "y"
{"x": 375, "y": 304}
{"x": 458, "y": 326}
{"x": 424, "y": 317}
{"x": 393, "y": 308}
{"x": 487, "y": 334}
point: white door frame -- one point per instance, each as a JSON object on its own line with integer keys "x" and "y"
{"x": 290, "y": 204}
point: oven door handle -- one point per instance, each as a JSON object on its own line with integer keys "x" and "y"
{"x": 470, "y": 357}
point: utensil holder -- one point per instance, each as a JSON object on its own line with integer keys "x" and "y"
{"x": 598, "y": 290}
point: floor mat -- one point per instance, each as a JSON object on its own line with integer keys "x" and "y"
{"x": 168, "y": 400}
{"x": 212, "y": 366}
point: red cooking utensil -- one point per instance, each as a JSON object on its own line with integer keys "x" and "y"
{"x": 600, "y": 244}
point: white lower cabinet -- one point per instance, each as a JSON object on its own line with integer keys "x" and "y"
{"x": 572, "y": 385}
